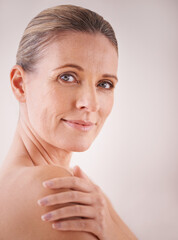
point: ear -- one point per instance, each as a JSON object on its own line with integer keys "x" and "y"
{"x": 17, "y": 82}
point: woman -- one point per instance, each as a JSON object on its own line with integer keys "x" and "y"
{"x": 64, "y": 80}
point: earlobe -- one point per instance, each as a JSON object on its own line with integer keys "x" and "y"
{"x": 17, "y": 83}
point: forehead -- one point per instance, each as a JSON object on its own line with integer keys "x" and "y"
{"x": 90, "y": 51}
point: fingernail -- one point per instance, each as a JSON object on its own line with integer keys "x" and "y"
{"x": 56, "y": 225}
{"x": 48, "y": 184}
{"x": 42, "y": 202}
{"x": 46, "y": 216}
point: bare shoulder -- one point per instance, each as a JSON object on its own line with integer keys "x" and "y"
{"x": 20, "y": 213}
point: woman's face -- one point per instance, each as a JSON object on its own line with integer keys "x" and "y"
{"x": 70, "y": 95}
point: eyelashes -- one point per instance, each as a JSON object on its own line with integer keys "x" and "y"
{"x": 67, "y": 78}
{"x": 106, "y": 84}
{"x": 71, "y": 78}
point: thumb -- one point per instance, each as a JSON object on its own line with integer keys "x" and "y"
{"x": 79, "y": 173}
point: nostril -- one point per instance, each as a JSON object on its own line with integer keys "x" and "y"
{"x": 91, "y": 107}
{"x": 87, "y": 101}
{"x": 83, "y": 107}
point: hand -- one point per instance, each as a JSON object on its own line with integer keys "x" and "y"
{"x": 89, "y": 211}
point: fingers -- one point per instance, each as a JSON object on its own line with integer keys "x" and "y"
{"x": 66, "y": 197}
{"x": 85, "y": 199}
{"x": 88, "y": 225}
{"x": 74, "y": 183}
{"x": 68, "y": 212}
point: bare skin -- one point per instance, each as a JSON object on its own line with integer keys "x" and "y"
{"x": 62, "y": 110}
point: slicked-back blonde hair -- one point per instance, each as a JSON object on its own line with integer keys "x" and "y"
{"x": 52, "y": 22}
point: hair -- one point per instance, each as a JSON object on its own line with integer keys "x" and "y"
{"x": 53, "y": 22}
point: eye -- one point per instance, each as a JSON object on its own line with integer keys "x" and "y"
{"x": 106, "y": 85}
{"x": 67, "y": 78}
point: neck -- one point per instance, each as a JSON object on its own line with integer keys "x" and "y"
{"x": 29, "y": 146}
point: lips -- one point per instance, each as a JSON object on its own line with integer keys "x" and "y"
{"x": 79, "y": 124}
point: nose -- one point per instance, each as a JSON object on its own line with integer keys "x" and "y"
{"x": 87, "y": 99}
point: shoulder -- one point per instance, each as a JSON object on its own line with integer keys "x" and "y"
{"x": 20, "y": 213}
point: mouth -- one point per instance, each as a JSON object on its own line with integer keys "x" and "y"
{"x": 79, "y": 124}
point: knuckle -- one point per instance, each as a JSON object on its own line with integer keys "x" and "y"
{"x": 97, "y": 188}
{"x": 72, "y": 195}
{"x": 102, "y": 213}
{"x": 90, "y": 199}
{"x": 75, "y": 195}
{"x": 77, "y": 209}
{"x": 93, "y": 226}
{"x": 82, "y": 224}
{"x": 75, "y": 182}
{"x": 101, "y": 224}
{"x": 100, "y": 200}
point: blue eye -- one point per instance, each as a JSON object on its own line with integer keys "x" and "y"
{"x": 106, "y": 85}
{"x": 67, "y": 78}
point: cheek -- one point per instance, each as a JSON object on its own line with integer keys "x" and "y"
{"x": 59, "y": 101}
{"x": 39, "y": 106}
{"x": 47, "y": 102}
{"x": 106, "y": 105}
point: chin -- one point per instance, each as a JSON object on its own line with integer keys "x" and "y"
{"x": 78, "y": 147}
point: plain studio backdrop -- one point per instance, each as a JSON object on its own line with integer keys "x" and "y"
{"x": 135, "y": 157}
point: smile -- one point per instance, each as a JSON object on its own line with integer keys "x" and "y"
{"x": 79, "y": 125}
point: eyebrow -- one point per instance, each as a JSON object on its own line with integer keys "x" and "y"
{"x": 81, "y": 69}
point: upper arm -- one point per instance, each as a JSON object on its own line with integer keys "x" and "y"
{"x": 25, "y": 214}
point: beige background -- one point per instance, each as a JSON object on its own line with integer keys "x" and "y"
{"x": 135, "y": 158}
